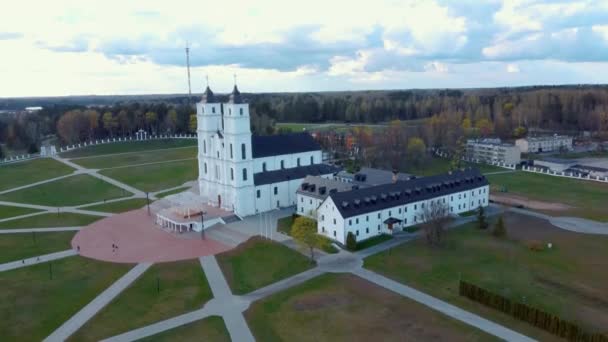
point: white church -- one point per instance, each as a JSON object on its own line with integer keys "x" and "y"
{"x": 249, "y": 174}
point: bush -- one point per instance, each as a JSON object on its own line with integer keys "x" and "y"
{"x": 351, "y": 242}
{"x": 481, "y": 219}
{"x": 32, "y": 148}
{"x": 499, "y": 228}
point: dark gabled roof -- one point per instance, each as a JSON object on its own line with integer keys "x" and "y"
{"x": 299, "y": 172}
{"x": 276, "y": 145}
{"x": 366, "y": 200}
{"x": 319, "y": 187}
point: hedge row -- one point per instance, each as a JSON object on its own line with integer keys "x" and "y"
{"x": 534, "y": 316}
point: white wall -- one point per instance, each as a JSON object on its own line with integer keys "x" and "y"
{"x": 289, "y": 161}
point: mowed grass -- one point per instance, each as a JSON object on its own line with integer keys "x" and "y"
{"x": 156, "y": 177}
{"x": 70, "y": 191}
{"x": 135, "y": 158}
{"x": 210, "y": 329}
{"x": 14, "y": 247}
{"x": 183, "y": 288}
{"x": 10, "y": 211}
{"x": 432, "y": 166}
{"x": 130, "y": 146}
{"x": 118, "y": 206}
{"x": 588, "y": 199}
{"x": 32, "y": 305}
{"x": 24, "y": 173}
{"x": 258, "y": 262}
{"x": 48, "y": 220}
{"x": 171, "y": 192}
{"x": 344, "y": 307}
{"x": 568, "y": 280}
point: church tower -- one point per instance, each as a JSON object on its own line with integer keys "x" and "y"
{"x": 209, "y": 121}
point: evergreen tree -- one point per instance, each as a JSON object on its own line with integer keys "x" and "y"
{"x": 351, "y": 242}
{"x": 499, "y": 228}
{"x": 481, "y": 219}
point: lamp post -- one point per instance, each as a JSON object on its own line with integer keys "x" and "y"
{"x": 148, "y": 200}
{"x": 203, "y": 225}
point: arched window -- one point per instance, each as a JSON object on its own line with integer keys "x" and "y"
{"x": 243, "y": 151}
{"x": 244, "y": 174}
{"x": 231, "y": 174}
{"x": 264, "y": 166}
{"x": 205, "y": 166}
{"x": 231, "y": 154}
{"x": 204, "y": 146}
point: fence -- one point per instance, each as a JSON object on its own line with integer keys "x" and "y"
{"x": 548, "y": 172}
{"x": 534, "y": 316}
{"x": 52, "y": 149}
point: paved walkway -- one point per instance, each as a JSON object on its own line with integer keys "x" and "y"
{"x": 573, "y": 224}
{"x": 36, "y": 260}
{"x": 38, "y": 230}
{"x": 40, "y": 182}
{"x": 85, "y": 314}
{"x": 150, "y": 163}
{"x": 48, "y": 209}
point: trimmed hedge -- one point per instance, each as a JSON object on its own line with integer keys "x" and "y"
{"x": 534, "y": 316}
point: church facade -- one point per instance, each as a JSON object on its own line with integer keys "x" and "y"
{"x": 250, "y": 174}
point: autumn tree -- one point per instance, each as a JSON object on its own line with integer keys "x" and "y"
{"x": 171, "y": 120}
{"x": 192, "y": 126}
{"x": 484, "y": 126}
{"x": 92, "y": 117}
{"x": 416, "y": 150}
{"x": 304, "y": 231}
{"x": 151, "y": 118}
{"x": 109, "y": 122}
{"x": 435, "y": 218}
{"x": 73, "y": 126}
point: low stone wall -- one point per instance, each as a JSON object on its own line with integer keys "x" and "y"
{"x": 563, "y": 174}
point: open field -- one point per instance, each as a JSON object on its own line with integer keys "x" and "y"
{"x": 433, "y": 166}
{"x": 587, "y": 199}
{"x": 171, "y": 192}
{"x": 50, "y": 220}
{"x": 15, "y": 247}
{"x": 183, "y": 288}
{"x": 70, "y": 191}
{"x": 257, "y": 262}
{"x": 344, "y": 307}
{"x": 10, "y": 211}
{"x": 134, "y": 158}
{"x": 27, "y": 172}
{"x": 156, "y": 177}
{"x": 568, "y": 280}
{"x": 210, "y": 329}
{"x": 32, "y": 306}
{"x": 119, "y": 206}
{"x": 131, "y": 146}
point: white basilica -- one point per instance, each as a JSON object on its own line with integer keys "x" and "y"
{"x": 250, "y": 174}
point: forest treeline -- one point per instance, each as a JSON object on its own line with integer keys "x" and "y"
{"x": 501, "y": 111}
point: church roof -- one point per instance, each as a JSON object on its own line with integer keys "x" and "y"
{"x": 276, "y": 145}
{"x": 283, "y": 175}
{"x": 235, "y": 96}
{"x": 208, "y": 96}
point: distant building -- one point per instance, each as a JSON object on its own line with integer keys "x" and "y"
{"x": 571, "y": 166}
{"x": 33, "y": 109}
{"x": 544, "y": 143}
{"x": 368, "y": 176}
{"x": 314, "y": 190}
{"x": 493, "y": 151}
{"x": 555, "y": 164}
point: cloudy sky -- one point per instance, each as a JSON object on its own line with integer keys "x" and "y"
{"x": 78, "y": 47}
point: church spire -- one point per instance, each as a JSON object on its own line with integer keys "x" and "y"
{"x": 235, "y": 96}
{"x": 208, "y": 96}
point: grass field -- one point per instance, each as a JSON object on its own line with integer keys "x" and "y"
{"x": 344, "y": 307}
{"x": 50, "y": 220}
{"x": 567, "y": 280}
{"x": 588, "y": 199}
{"x": 15, "y": 247}
{"x": 156, "y": 177}
{"x": 257, "y": 263}
{"x": 119, "y": 206}
{"x": 183, "y": 288}
{"x": 10, "y": 211}
{"x": 32, "y": 306}
{"x": 433, "y": 166}
{"x": 70, "y": 191}
{"x": 132, "y": 146}
{"x": 134, "y": 158}
{"x": 171, "y": 192}
{"x": 210, "y": 329}
{"x": 24, "y": 173}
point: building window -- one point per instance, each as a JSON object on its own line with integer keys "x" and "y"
{"x": 366, "y": 218}
{"x": 357, "y": 232}
{"x": 378, "y": 215}
{"x": 298, "y": 161}
{"x": 405, "y": 220}
{"x": 366, "y": 230}
{"x": 399, "y": 210}
{"x": 205, "y": 166}
{"x": 243, "y": 151}
{"x": 322, "y": 217}
{"x": 229, "y": 111}
{"x": 231, "y": 174}
{"x": 302, "y": 199}
{"x": 231, "y": 154}
{"x": 241, "y": 111}
{"x": 415, "y": 206}
{"x": 312, "y": 160}
{"x": 350, "y": 222}
{"x": 422, "y": 205}
{"x": 334, "y": 233}
{"x": 264, "y": 166}
{"x": 301, "y": 210}
{"x": 389, "y": 213}
{"x": 357, "y": 220}
{"x": 323, "y": 229}
{"x": 244, "y": 174}
{"x": 378, "y": 227}
{"x": 204, "y": 146}
{"x": 213, "y": 110}
{"x": 282, "y": 164}
{"x": 334, "y": 221}
{"x": 276, "y": 190}
{"x": 405, "y": 209}
{"x": 311, "y": 201}
{"x": 258, "y": 193}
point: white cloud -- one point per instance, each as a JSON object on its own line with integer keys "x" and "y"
{"x": 512, "y": 68}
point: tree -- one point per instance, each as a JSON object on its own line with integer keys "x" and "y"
{"x": 458, "y": 154}
{"x": 481, "y": 219}
{"x": 151, "y": 118}
{"x": 499, "y": 228}
{"x": 109, "y": 122}
{"x": 171, "y": 120}
{"x": 351, "y": 242}
{"x": 304, "y": 231}
{"x": 484, "y": 126}
{"x": 416, "y": 150}
{"x": 192, "y": 126}
{"x": 519, "y": 132}
{"x": 92, "y": 117}
{"x": 32, "y": 148}
{"x": 436, "y": 217}
{"x": 1, "y": 152}
{"x": 72, "y": 126}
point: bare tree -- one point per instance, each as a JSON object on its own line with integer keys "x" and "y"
{"x": 436, "y": 217}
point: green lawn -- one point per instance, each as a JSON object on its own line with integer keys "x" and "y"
{"x": 134, "y": 158}
{"x": 10, "y": 211}
{"x": 70, "y": 191}
{"x": 24, "y": 173}
{"x": 589, "y": 199}
{"x": 132, "y": 146}
{"x": 568, "y": 280}
{"x": 183, "y": 288}
{"x": 258, "y": 262}
{"x": 50, "y": 220}
{"x": 119, "y": 206}
{"x": 344, "y": 307}
{"x": 32, "y": 306}
{"x": 171, "y": 192}
{"x": 20, "y": 246}
{"x": 211, "y": 329}
{"x": 156, "y": 177}
{"x": 432, "y": 166}
{"x": 373, "y": 241}
{"x": 284, "y": 225}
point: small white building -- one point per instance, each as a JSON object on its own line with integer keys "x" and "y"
{"x": 544, "y": 143}
{"x": 555, "y": 164}
{"x": 493, "y": 151}
{"x": 382, "y": 209}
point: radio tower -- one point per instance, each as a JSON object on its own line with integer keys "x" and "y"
{"x": 188, "y": 65}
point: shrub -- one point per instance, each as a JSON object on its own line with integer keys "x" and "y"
{"x": 481, "y": 219}
{"x": 499, "y": 228}
{"x": 351, "y": 242}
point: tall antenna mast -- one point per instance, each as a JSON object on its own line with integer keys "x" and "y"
{"x": 188, "y": 65}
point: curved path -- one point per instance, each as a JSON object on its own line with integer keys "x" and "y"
{"x": 573, "y": 224}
